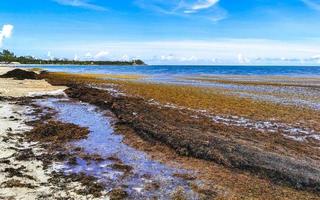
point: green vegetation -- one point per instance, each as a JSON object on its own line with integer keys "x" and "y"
{"x": 9, "y": 57}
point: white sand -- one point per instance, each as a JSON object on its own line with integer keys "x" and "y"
{"x": 3, "y": 70}
{"x": 12, "y": 128}
{"x": 20, "y": 88}
{"x": 10, "y": 131}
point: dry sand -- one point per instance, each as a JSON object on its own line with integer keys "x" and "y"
{"x": 20, "y": 88}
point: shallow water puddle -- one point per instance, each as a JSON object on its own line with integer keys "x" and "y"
{"x": 148, "y": 178}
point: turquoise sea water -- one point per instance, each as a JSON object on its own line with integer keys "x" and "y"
{"x": 164, "y": 71}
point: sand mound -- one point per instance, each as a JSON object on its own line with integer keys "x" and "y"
{"x": 20, "y": 74}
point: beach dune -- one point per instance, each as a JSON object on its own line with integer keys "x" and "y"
{"x": 19, "y": 88}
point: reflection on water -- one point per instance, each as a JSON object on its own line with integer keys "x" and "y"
{"x": 103, "y": 141}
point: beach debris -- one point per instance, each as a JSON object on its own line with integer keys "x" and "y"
{"x": 118, "y": 194}
{"x": 90, "y": 184}
{"x": 188, "y": 177}
{"x": 58, "y": 132}
{"x": 122, "y": 167}
{"x": 17, "y": 184}
{"x": 179, "y": 194}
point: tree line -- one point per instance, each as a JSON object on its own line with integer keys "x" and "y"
{"x": 8, "y": 57}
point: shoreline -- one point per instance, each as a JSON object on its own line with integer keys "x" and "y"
{"x": 153, "y": 129}
{"x": 83, "y": 97}
{"x": 222, "y": 65}
{"x": 27, "y": 166}
{"x": 22, "y": 65}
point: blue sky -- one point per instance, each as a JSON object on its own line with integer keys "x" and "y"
{"x": 165, "y": 32}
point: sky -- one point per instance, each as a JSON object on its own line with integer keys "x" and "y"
{"x": 204, "y": 32}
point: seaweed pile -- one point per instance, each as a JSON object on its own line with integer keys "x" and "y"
{"x": 199, "y": 137}
{"x": 19, "y": 74}
{"x": 57, "y": 132}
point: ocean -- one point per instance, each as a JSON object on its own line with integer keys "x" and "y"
{"x": 167, "y": 70}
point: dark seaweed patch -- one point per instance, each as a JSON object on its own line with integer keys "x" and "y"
{"x": 20, "y": 74}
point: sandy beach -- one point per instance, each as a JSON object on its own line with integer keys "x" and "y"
{"x": 88, "y": 137}
{"x": 160, "y": 100}
{"x": 23, "y": 176}
{"x": 19, "y": 88}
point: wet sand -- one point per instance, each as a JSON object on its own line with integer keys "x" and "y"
{"x": 298, "y": 91}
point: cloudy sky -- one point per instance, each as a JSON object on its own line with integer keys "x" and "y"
{"x": 256, "y": 32}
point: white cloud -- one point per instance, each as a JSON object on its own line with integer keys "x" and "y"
{"x": 204, "y": 4}
{"x": 88, "y": 55}
{"x": 185, "y": 8}
{"x": 6, "y": 32}
{"x": 242, "y": 59}
{"x": 76, "y": 57}
{"x": 189, "y": 59}
{"x": 189, "y": 11}
{"x": 224, "y": 51}
{"x": 125, "y": 57}
{"x": 314, "y": 4}
{"x": 50, "y": 57}
{"x": 176, "y": 58}
{"x": 315, "y": 58}
{"x": 81, "y": 3}
{"x": 167, "y": 57}
{"x": 101, "y": 55}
